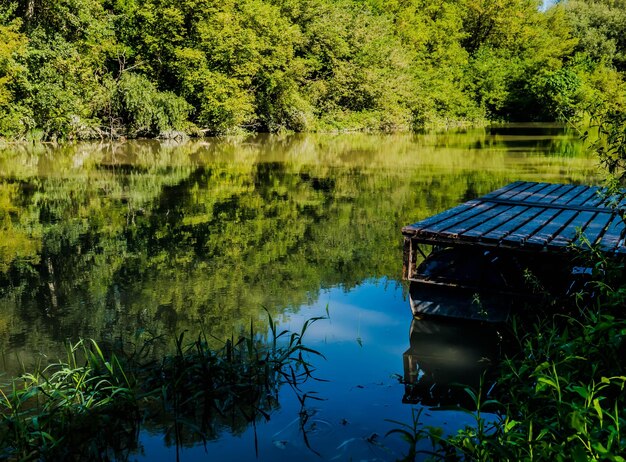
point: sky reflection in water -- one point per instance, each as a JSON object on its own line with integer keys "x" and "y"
{"x": 363, "y": 342}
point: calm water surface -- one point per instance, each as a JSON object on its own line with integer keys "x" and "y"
{"x": 131, "y": 240}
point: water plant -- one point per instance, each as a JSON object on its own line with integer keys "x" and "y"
{"x": 561, "y": 398}
{"x": 87, "y": 400}
{"x": 92, "y": 404}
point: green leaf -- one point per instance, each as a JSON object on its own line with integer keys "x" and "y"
{"x": 579, "y": 454}
{"x": 510, "y": 424}
{"x": 546, "y": 381}
{"x": 582, "y": 391}
{"x": 598, "y": 408}
{"x": 600, "y": 448}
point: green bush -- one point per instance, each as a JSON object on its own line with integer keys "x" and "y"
{"x": 146, "y": 111}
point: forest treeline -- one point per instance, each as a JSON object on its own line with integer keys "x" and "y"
{"x": 77, "y": 69}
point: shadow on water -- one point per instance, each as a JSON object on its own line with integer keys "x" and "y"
{"x": 445, "y": 356}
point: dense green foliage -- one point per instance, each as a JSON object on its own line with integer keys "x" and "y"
{"x": 102, "y": 68}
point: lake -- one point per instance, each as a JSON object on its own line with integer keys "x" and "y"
{"x": 122, "y": 242}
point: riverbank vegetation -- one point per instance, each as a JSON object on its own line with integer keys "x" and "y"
{"x": 561, "y": 398}
{"x": 91, "y": 405}
{"x": 76, "y": 69}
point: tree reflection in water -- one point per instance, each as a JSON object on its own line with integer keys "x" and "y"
{"x": 127, "y": 242}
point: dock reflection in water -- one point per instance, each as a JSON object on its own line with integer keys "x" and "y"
{"x": 446, "y": 355}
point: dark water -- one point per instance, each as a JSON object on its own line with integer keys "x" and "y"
{"x": 131, "y": 240}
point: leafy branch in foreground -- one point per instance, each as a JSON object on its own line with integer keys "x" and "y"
{"x": 611, "y": 144}
{"x": 93, "y": 404}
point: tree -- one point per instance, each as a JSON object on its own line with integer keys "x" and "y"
{"x": 12, "y": 46}
{"x": 600, "y": 26}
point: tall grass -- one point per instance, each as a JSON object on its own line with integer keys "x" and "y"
{"x": 561, "y": 399}
{"x": 86, "y": 400}
{"x": 91, "y": 405}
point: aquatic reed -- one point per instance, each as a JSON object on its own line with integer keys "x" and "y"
{"x": 92, "y": 404}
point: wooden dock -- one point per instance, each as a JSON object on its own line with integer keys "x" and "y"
{"x": 532, "y": 221}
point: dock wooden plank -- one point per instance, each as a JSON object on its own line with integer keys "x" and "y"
{"x": 546, "y": 194}
{"x": 512, "y": 226}
{"x": 558, "y": 192}
{"x": 520, "y": 235}
{"x": 497, "y": 222}
{"x": 569, "y": 233}
{"x": 529, "y": 192}
{"x": 613, "y": 201}
{"x": 570, "y": 195}
{"x": 440, "y": 216}
{"x": 597, "y": 226}
{"x": 621, "y": 245}
{"x": 551, "y": 228}
{"x": 598, "y": 198}
{"x": 613, "y": 234}
{"x": 528, "y": 203}
{"x": 502, "y": 190}
{"x": 607, "y": 201}
{"x": 474, "y": 221}
{"x": 511, "y": 192}
{"x": 477, "y": 209}
{"x": 585, "y": 197}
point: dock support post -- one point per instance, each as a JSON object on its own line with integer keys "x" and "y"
{"x": 407, "y": 259}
